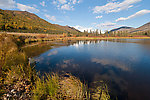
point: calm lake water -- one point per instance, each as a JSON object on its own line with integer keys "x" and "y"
{"x": 123, "y": 64}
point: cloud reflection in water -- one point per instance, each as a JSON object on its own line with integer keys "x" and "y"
{"x": 67, "y": 63}
{"x": 53, "y": 53}
{"x": 114, "y": 63}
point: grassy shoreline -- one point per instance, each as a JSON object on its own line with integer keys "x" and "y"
{"x": 28, "y": 38}
{"x": 104, "y": 38}
{"x": 60, "y": 36}
{"x": 19, "y": 79}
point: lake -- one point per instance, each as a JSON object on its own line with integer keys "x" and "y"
{"x": 123, "y": 64}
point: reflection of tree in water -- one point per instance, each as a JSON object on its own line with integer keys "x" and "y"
{"x": 10, "y": 54}
{"x": 80, "y": 42}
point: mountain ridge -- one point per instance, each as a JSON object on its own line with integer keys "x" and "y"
{"x": 145, "y": 27}
{"x": 122, "y": 28}
{"x": 23, "y": 21}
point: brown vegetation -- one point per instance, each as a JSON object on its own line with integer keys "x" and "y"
{"x": 19, "y": 80}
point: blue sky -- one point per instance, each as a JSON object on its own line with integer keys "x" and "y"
{"x": 86, "y": 14}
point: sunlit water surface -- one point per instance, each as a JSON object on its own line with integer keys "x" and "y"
{"x": 123, "y": 64}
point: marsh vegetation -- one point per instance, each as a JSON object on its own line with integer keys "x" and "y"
{"x": 20, "y": 80}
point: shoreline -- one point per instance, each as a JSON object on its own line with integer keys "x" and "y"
{"x": 61, "y": 37}
{"x": 103, "y": 38}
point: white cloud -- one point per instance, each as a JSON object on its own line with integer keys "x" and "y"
{"x": 81, "y": 28}
{"x": 54, "y": 2}
{"x": 79, "y": 1}
{"x": 102, "y": 26}
{"x": 26, "y": 8}
{"x": 107, "y": 26}
{"x": 62, "y": 1}
{"x": 139, "y": 13}
{"x": 11, "y": 4}
{"x": 66, "y": 7}
{"x": 99, "y": 17}
{"x": 42, "y": 3}
{"x": 115, "y": 6}
{"x": 65, "y": 4}
{"x": 74, "y": 1}
{"x": 7, "y": 4}
{"x": 52, "y": 18}
{"x": 34, "y": 5}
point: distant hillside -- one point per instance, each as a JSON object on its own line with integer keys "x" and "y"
{"x": 23, "y": 21}
{"x": 123, "y": 28}
{"x": 145, "y": 27}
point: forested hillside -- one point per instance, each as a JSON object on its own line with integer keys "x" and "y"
{"x": 23, "y": 21}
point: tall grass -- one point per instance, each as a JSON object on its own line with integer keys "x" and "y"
{"x": 46, "y": 87}
{"x": 19, "y": 73}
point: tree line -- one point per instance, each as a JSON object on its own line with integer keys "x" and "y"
{"x": 115, "y": 33}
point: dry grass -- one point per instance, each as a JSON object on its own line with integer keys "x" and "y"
{"x": 36, "y": 35}
{"x": 61, "y": 37}
{"x": 92, "y": 38}
{"x": 46, "y": 87}
{"x": 71, "y": 88}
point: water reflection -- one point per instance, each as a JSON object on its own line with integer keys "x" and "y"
{"x": 115, "y": 63}
{"x": 53, "y": 53}
{"x": 122, "y": 64}
{"x": 67, "y": 63}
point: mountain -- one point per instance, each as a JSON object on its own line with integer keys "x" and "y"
{"x": 145, "y": 27}
{"x": 67, "y": 28}
{"x": 123, "y": 28}
{"x": 23, "y": 21}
